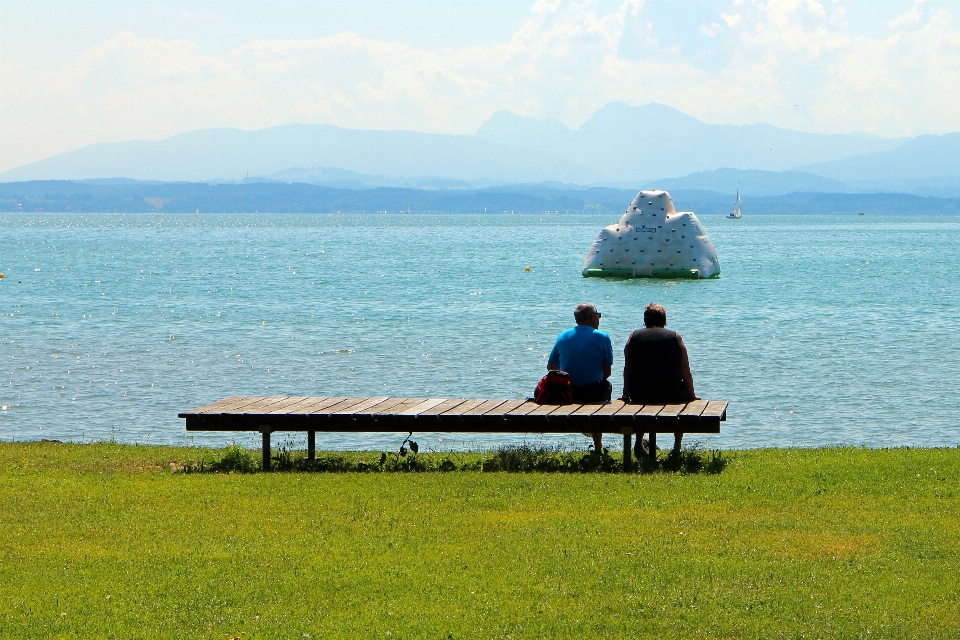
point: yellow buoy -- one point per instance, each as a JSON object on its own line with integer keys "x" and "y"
{"x": 2, "y": 276}
{"x": 526, "y": 268}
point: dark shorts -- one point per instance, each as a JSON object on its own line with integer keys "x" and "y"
{"x": 593, "y": 393}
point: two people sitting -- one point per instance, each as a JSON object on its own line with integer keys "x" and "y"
{"x": 656, "y": 367}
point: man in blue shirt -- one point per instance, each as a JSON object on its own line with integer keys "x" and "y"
{"x": 586, "y": 354}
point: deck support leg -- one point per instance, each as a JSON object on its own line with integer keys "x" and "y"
{"x": 652, "y": 443}
{"x": 266, "y": 450}
{"x": 627, "y": 449}
{"x": 311, "y": 445}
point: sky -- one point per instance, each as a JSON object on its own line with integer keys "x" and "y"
{"x": 75, "y": 73}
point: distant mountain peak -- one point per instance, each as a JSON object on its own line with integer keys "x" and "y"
{"x": 506, "y": 127}
{"x": 619, "y": 144}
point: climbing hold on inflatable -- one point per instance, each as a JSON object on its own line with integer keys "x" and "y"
{"x": 653, "y": 240}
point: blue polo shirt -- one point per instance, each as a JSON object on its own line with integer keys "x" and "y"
{"x": 582, "y": 352}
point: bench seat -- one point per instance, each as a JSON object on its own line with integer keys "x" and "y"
{"x": 385, "y": 414}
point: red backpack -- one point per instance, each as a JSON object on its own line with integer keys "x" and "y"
{"x": 553, "y": 388}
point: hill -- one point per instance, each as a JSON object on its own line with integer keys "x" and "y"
{"x": 756, "y": 183}
{"x": 656, "y": 141}
{"x": 147, "y": 197}
{"x": 926, "y": 164}
{"x": 231, "y": 154}
{"x": 619, "y": 146}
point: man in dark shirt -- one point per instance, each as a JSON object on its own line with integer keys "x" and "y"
{"x": 656, "y": 368}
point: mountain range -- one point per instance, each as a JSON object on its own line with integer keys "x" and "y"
{"x": 620, "y": 146}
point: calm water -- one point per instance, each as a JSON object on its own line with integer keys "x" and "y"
{"x": 821, "y": 330}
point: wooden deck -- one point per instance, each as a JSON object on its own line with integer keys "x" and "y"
{"x": 385, "y": 414}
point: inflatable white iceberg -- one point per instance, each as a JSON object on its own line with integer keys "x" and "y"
{"x": 653, "y": 240}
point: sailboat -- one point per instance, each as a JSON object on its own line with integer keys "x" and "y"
{"x": 736, "y": 214}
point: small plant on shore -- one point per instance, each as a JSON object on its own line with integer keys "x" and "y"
{"x": 235, "y": 459}
{"x": 524, "y": 458}
{"x": 693, "y": 459}
{"x": 283, "y": 461}
{"x": 329, "y": 463}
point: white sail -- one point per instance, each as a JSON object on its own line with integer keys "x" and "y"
{"x": 736, "y": 213}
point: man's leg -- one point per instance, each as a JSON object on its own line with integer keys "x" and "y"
{"x": 605, "y": 390}
{"x": 638, "y": 451}
{"x": 677, "y": 439}
{"x": 593, "y": 393}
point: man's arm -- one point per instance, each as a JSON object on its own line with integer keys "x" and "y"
{"x": 627, "y": 370}
{"x": 607, "y": 366}
{"x": 553, "y": 360}
{"x": 685, "y": 369}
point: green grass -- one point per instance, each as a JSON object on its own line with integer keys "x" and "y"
{"x": 112, "y": 541}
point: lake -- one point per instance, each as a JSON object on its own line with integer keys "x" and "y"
{"x": 821, "y": 330}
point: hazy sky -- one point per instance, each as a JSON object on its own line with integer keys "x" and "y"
{"x": 73, "y": 73}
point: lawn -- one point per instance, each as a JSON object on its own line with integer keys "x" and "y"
{"x": 109, "y": 540}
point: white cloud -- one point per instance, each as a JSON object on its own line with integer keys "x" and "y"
{"x": 710, "y": 30}
{"x": 792, "y": 63}
{"x": 911, "y": 18}
{"x": 732, "y": 20}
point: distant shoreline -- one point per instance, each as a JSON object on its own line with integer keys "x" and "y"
{"x": 60, "y": 196}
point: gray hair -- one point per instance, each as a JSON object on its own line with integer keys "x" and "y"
{"x": 584, "y": 312}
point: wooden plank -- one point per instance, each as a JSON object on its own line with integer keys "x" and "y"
{"x": 213, "y": 406}
{"x": 423, "y": 406}
{"x": 466, "y": 405}
{"x": 587, "y": 409}
{"x": 239, "y": 404}
{"x": 389, "y": 403}
{"x": 446, "y": 405}
{"x": 610, "y": 408}
{"x": 483, "y": 407}
{"x": 408, "y": 403}
{"x": 505, "y": 408}
{"x": 715, "y": 409}
{"x": 320, "y": 406}
{"x": 299, "y": 405}
{"x": 259, "y": 407}
{"x": 630, "y": 410}
{"x": 564, "y": 410}
{"x": 309, "y": 404}
{"x": 649, "y": 410}
{"x": 285, "y": 405}
{"x": 693, "y": 409}
{"x": 331, "y": 409}
{"x": 368, "y": 403}
{"x": 671, "y": 410}
{"x": 523, "y": 409}
{"x": 544, "y": 409}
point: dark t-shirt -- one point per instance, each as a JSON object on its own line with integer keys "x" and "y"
{"x": 652, "y": 374}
